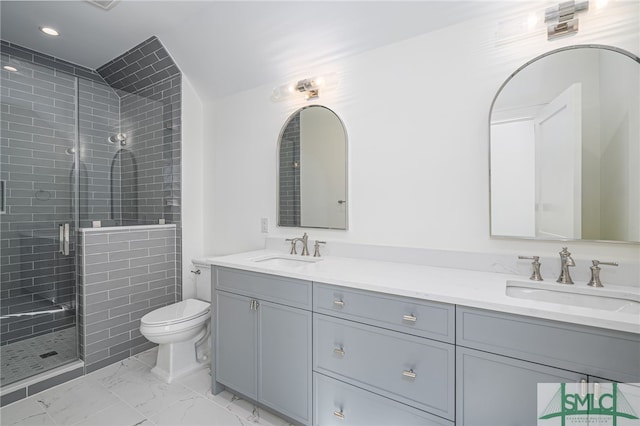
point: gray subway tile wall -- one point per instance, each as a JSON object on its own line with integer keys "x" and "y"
{"x": 150, "y": 88}
{"x": 125, "y": 273}
{"x": 140, "y": 67}
{"x": 38, "y": 127}
{"x": 289, "y": 199}
{"x": 18, "y": 53}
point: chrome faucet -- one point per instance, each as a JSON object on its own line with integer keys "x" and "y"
{"x": 305, "y": 247}
{"x": 316, "y": 248}
{"x": 595, "y": 272}
{"x": 535, "y": 274}
{"x": 565, "y": 262}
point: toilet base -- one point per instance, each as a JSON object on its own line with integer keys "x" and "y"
{"x": 177, "y": 359}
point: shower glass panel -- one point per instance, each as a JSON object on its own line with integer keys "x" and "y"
{"x": 99, "y": 121}
{"x": 38, "y": 158}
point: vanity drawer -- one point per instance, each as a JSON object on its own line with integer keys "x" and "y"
{"x": 272, "y": 288}
{"x": 338, "y": 403}
{"x": 414, "y": 316}
{"x": 589, "y": 350}
{"x": 409, "y": 369}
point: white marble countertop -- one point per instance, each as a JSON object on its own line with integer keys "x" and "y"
{"x": 478, "y": 289}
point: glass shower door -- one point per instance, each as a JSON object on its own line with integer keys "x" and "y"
{"x": 38, "y": 154}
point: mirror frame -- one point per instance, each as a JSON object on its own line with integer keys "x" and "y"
{"x": 493, "y": 102}
{"x": 346, "y": 169}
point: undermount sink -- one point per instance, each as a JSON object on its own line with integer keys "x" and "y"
{"x": 280, "y": 260}
{"x": 613, "y": 300}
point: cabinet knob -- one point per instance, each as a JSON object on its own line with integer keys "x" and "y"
{"x": 409, "y": 318}
{"x": 339, "y": 351}
{"x": 409, "y": 374}
{"x": 338, "y": 303}
{"x": 339, "y": 414}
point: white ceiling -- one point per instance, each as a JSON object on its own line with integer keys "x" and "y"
{"x": 228, "y": 46}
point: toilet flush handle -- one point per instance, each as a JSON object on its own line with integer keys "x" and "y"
{"x": 196, "y": 271}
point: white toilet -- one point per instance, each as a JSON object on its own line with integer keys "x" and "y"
{"x": 182, "y": 330}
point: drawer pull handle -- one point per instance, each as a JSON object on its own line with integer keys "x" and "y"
{"x": 410, "y": 318}
{"x": 339, "y": 351}
{"x": 339, "y": 414}
{"x": 339, "y": 303}
{"x": 409, "y": 373}
{"x": 596, "y": 391}
{"x": 584, "y": 387}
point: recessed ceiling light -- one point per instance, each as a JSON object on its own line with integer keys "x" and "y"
{"x": 10, "y": 68}
{"x": 49, "y": 31}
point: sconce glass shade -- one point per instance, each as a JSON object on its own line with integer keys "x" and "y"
{"x": 309, "y": 87}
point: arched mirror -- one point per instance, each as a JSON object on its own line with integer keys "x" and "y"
{"x": 565, "y": 147}
{"x": 312, "y": 170}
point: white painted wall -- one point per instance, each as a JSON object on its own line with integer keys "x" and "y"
{"x": 416, "y": 115}
{"x": 192, "y": 183}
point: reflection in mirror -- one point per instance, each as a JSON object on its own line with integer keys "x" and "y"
{"x": 312, "y": 170}
{"x": 565, "y": 147}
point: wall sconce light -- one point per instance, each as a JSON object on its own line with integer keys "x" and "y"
{"x": 308, "y": 87}
{"x": 561, "y": 19}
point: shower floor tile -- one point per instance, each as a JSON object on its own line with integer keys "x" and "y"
{"x": 22, "y": 359}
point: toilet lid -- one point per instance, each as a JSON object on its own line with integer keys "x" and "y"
{"x": 177, "y": 312}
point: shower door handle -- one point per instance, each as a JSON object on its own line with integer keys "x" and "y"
{"x": 63, "y": 229}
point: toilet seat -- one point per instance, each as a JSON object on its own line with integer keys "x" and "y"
{"x": 176, "y": 313}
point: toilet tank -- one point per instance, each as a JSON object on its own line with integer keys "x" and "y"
{"x": 202, "y": 280}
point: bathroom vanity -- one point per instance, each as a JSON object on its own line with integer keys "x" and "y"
{"x": 353, "y": 341}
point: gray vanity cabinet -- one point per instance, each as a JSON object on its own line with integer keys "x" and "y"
{"x": 501, "y": 358}
{"x": 496, "y": 390}
{"x": 284, "y": 360}
{"x": 263, "y": 340}
{"x": 236, "y": 344}
{"x": 369, "y": 356}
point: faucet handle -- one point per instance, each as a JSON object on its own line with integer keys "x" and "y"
{"x": 535, "y": 275}
{"x": 595, "y": 272}
{"x": 293, "y": 245}
{"x": 316, "y": 248}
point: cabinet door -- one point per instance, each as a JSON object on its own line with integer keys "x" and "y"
{"x": 236, "y": 337}
{"x": 610, "y": 399}
{"x": 496, "y": 390}
{"x": 284, "y": 357}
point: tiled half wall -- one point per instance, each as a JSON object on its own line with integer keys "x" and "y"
{"x": 125, "y": 272}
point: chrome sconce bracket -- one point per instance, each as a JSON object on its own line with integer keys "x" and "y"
{"x": 561, "y": 19}
{"x": 308, "y": 87}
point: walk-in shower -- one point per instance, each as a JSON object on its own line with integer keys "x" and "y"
{"x": 77, "y": 152}
{"x": 39, "y": 153}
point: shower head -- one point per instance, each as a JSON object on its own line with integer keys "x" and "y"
{"x": 120, "y": 138}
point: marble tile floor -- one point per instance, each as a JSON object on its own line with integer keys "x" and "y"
{"x": 126, "y": 393}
